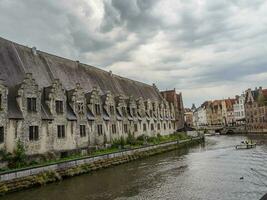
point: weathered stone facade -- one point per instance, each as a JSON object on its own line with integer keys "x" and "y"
{"x": 52, "y": 104}
{"x": 256, "y": 110}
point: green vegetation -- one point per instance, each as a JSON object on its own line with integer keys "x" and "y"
{"x": 19, "y": 159}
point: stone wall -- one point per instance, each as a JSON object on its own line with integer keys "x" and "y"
{"x": 20, "y": 179}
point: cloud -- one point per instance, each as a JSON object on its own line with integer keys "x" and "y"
{"x": 207, "y": 49}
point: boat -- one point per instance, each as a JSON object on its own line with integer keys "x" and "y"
{"x": 246, "y": 145}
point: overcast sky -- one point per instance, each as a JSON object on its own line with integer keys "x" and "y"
{"x": 206, "y": 49}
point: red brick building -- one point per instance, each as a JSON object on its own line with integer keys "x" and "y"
{"x": 172, "y": 97}
{"x": 256, "y": 110}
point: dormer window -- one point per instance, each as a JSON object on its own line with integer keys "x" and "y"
{"x": 111, "y": 109}
{"x": 97, "y": 109}
{"x": 80, "y": 107}
{"x": 31, "y": 104}
{"x": 59, "y": 107}
{"x": 124, "y": 111}
{"x": 134, "y": 112}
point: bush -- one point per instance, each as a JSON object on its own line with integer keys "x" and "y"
{"x": 118, "y": 143}
{"x": 131, "y": 139}
{"x": 19, "y": 158}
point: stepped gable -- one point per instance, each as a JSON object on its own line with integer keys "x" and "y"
{"x": 17, "y": 60}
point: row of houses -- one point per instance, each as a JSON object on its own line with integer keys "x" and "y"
{"x": 248, "y": 109}
{"x": 52, "y": 104}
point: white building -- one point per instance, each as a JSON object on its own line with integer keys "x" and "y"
{"x": 239, "y": 108}
{"x": 200, "y": 116}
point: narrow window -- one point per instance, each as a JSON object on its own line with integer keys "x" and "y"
{"x": 2, "y": 134}
{"x": 165, "y": 126}
{"x": 61, "y": 131}
{"x": 99, "y": 129}
{"x": 80, "y": 107}
{"x": 113, "y": 128}
{"x": 144, "y": 127}
{"x": 33, "y": 133}
{"x": 97, "y": 109}
{"x": 82, "y": 131}
{"x": 135, "y": 128}
{"x": 125, "y": 128}
{"x": 152, "y": 127}
{"x": 124, "y": 112}
{"x": 111, "y": 108}
{"x": 59, "y": 107}
{"x": 158, "y": 126}
{"x": 31, "y": 104}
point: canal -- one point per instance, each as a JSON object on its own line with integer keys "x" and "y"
{"x": 210, "y": 171}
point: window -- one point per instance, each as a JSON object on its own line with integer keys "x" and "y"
{"x": 31, "y": 104}
{"x": 80, "y": 107}
{"x": 124, "y": 111}
{"x": 152, "y": 127}
{"x": 99, "y": 129}
{"x": 113, "y": 128}
{"x": 82, "y": 131}
{"x": 2, "y": 134}
{"x": 97, "y": 109}
{"x": 144, "y": 127}
{"x": 165, "y": 126}
{"x": 135, "y": 128}
{"x": 59, "y": 107}
{"x": 158, "y": 126}
{"x": 61, "y": 131}
{"x": 125, "y": 128}
{"x": 134, "y": 112}
{"x": 169, "y": 126}
{"x": 111, "y": 108}
{"x": 33, "y": 133}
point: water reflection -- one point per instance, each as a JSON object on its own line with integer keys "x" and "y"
{"x": 210, "y": 171}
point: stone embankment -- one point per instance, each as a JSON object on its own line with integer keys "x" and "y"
{"x": 36, "y": 176}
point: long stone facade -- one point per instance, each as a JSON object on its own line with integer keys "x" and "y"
{"x": 52, "y": 104}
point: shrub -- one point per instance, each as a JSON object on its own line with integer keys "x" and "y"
{"x": 19, "y": 158}
{"x": 131, "y": 139}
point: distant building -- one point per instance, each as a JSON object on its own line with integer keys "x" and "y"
{"x": 188, "y": 117}
{"x": 228, "y": 111}
{"x": 256, "y": 110}
{"x": 176, "y": 99}
{"x": 239, "y": 109}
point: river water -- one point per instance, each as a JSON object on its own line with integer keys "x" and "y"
{"x": 208, "y": 172}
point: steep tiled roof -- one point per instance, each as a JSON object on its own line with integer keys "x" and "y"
{"x": 17, "y": 60}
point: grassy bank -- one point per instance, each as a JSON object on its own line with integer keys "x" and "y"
{"x": 19, "y": 160}
{"x": 46, "y": 175}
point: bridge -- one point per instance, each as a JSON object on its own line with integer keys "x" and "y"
{"x": 224, "y": 130}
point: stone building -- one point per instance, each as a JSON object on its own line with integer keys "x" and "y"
{"x": 188, "y": 117}
{"x": 53, "y": 104}
{"x": 176, "y": 99}
{"x": 256, "y": 110}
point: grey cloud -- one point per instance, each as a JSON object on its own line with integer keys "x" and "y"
{"x": 191, "y": 47}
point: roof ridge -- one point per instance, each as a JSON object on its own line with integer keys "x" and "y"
{"x": 81, "y": 63}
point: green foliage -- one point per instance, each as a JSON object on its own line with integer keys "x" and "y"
{"x": 131, "y": 140}
{"x": 118, "y": 143}
{"x": 19, "y": 158}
